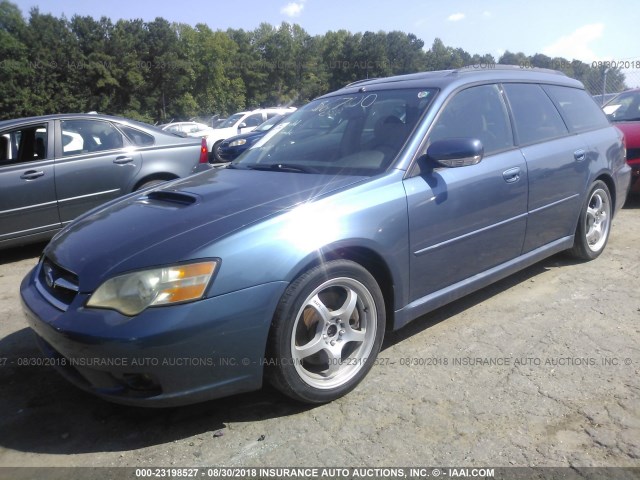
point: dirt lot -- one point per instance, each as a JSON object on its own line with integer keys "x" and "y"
{"x": 563, "y": 389}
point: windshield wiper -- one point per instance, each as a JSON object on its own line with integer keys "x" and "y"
{"x": 279, "y": 167}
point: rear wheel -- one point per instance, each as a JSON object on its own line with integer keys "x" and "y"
{"x": 326, "y": 333}
{"x": 592, "y": 232}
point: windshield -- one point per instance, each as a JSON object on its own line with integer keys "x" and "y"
{"x": 266, "y": 126}
{"x": 357, "y": 134}
{"x": 624, "y": 108}
{"x": 231, "y": 121}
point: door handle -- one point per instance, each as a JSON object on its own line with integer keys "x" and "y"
{"x": 31, "y": 174}
{"x": 512, "y": 175}
{"x": 579, "y": 155}
{"x": 123, "y": 160}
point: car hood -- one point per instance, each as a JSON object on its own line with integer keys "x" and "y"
{"x": 173, "y": 223}
{"x": 246, "y": 136}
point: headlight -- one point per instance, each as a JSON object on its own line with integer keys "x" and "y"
{"x": 237, "y": 143}
{"x": 133, "y": 292}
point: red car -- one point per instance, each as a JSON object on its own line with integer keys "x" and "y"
{"x": 624, "y": 111}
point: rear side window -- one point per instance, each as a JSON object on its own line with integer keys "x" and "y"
{"x": 137, "y": 137}
{"x": 535, "y": 116}
{"x": 88, "y": 136}
{"x": 578, "y": 109}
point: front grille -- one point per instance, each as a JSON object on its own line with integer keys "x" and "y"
{"x": 56, "y": 284}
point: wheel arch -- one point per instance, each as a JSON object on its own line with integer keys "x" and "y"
{"x": 164, "y": 176}
{"x": 368, "y": 258}
{"x": 611, "y": 185}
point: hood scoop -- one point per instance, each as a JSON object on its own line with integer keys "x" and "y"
{"x": 169, "y": 198}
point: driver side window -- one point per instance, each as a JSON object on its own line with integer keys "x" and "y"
{"x": 24, "y": 144}
{"x": 253, "y": 120}
{"x": 477, "y": 112}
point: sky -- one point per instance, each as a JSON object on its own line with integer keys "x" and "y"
{"x": 586, "y": 30}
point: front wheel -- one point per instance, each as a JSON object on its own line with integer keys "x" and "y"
{"x": 326, "y": 333}
{"x": 216, "y": 152}
{"x": 594, "y": 224}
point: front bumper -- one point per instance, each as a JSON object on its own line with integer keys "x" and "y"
{"x": 166, "y": 356}
{"x": 229, "y": 154}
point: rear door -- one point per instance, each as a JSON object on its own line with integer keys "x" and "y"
{"x": 94, "y": 164}
{"x": 27, "y": 185}
{"x": 557, "y": 162}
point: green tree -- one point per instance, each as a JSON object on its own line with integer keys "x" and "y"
{"x": 156, "y": 71}
{"x": 405, "y": 53}
{"x": 93, "y": 65}
{"x": 211, "y": 56}
{"x": 127, "y": 49}
{"x": 247, "y": 68}
{"x": 15, "y": 96}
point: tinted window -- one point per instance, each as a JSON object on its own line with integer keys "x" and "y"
{"x": 579, "y": 110}
{"x": 137, "y": 137}
{"x": 624, "y": 108}
{"x": 535, "y": 116}
{"x": 477, "y": 112}
{"x": 86, "y": 136}
{"x": 24, "y": 144}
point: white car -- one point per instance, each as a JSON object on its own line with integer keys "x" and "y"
{"x": 191, "y": 129}
{"x": 238, "y": 123}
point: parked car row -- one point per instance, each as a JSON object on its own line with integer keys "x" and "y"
{"x": 54, "y": 168}
{"x": 192, "y": 129}
{"x": 232, "y": 147}
{"x": 368, "y": 208}
{"x": 239, "y": 123}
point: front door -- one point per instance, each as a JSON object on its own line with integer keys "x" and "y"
{"x": 27, "y": 184}
{"x": 465, "y": 220}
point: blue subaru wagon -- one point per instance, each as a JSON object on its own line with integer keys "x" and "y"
{"x": 360, "y": 212}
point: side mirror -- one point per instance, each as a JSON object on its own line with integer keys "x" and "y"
{"x": 456, "y": 152}
{"x": 241, "y": 126}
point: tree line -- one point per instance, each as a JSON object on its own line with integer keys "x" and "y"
{"x": 157, "y": 71}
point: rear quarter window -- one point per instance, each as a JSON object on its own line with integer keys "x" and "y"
{"x": 579, "y": 110}
{"x": 535, "y": 116}
{"x": 137, "y": 137}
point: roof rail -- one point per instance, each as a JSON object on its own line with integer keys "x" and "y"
{"x": 499, "y": 66}
{"x": 357, "y": 82}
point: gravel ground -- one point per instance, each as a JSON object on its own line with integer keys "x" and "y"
{"x": 540, "y": 369}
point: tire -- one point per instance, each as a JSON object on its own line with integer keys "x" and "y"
{"x": 150, "y": 183}
{"x": 326, "y": 332}
{"x": 214, "y": 151}
{"x": 594, "y": 224}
